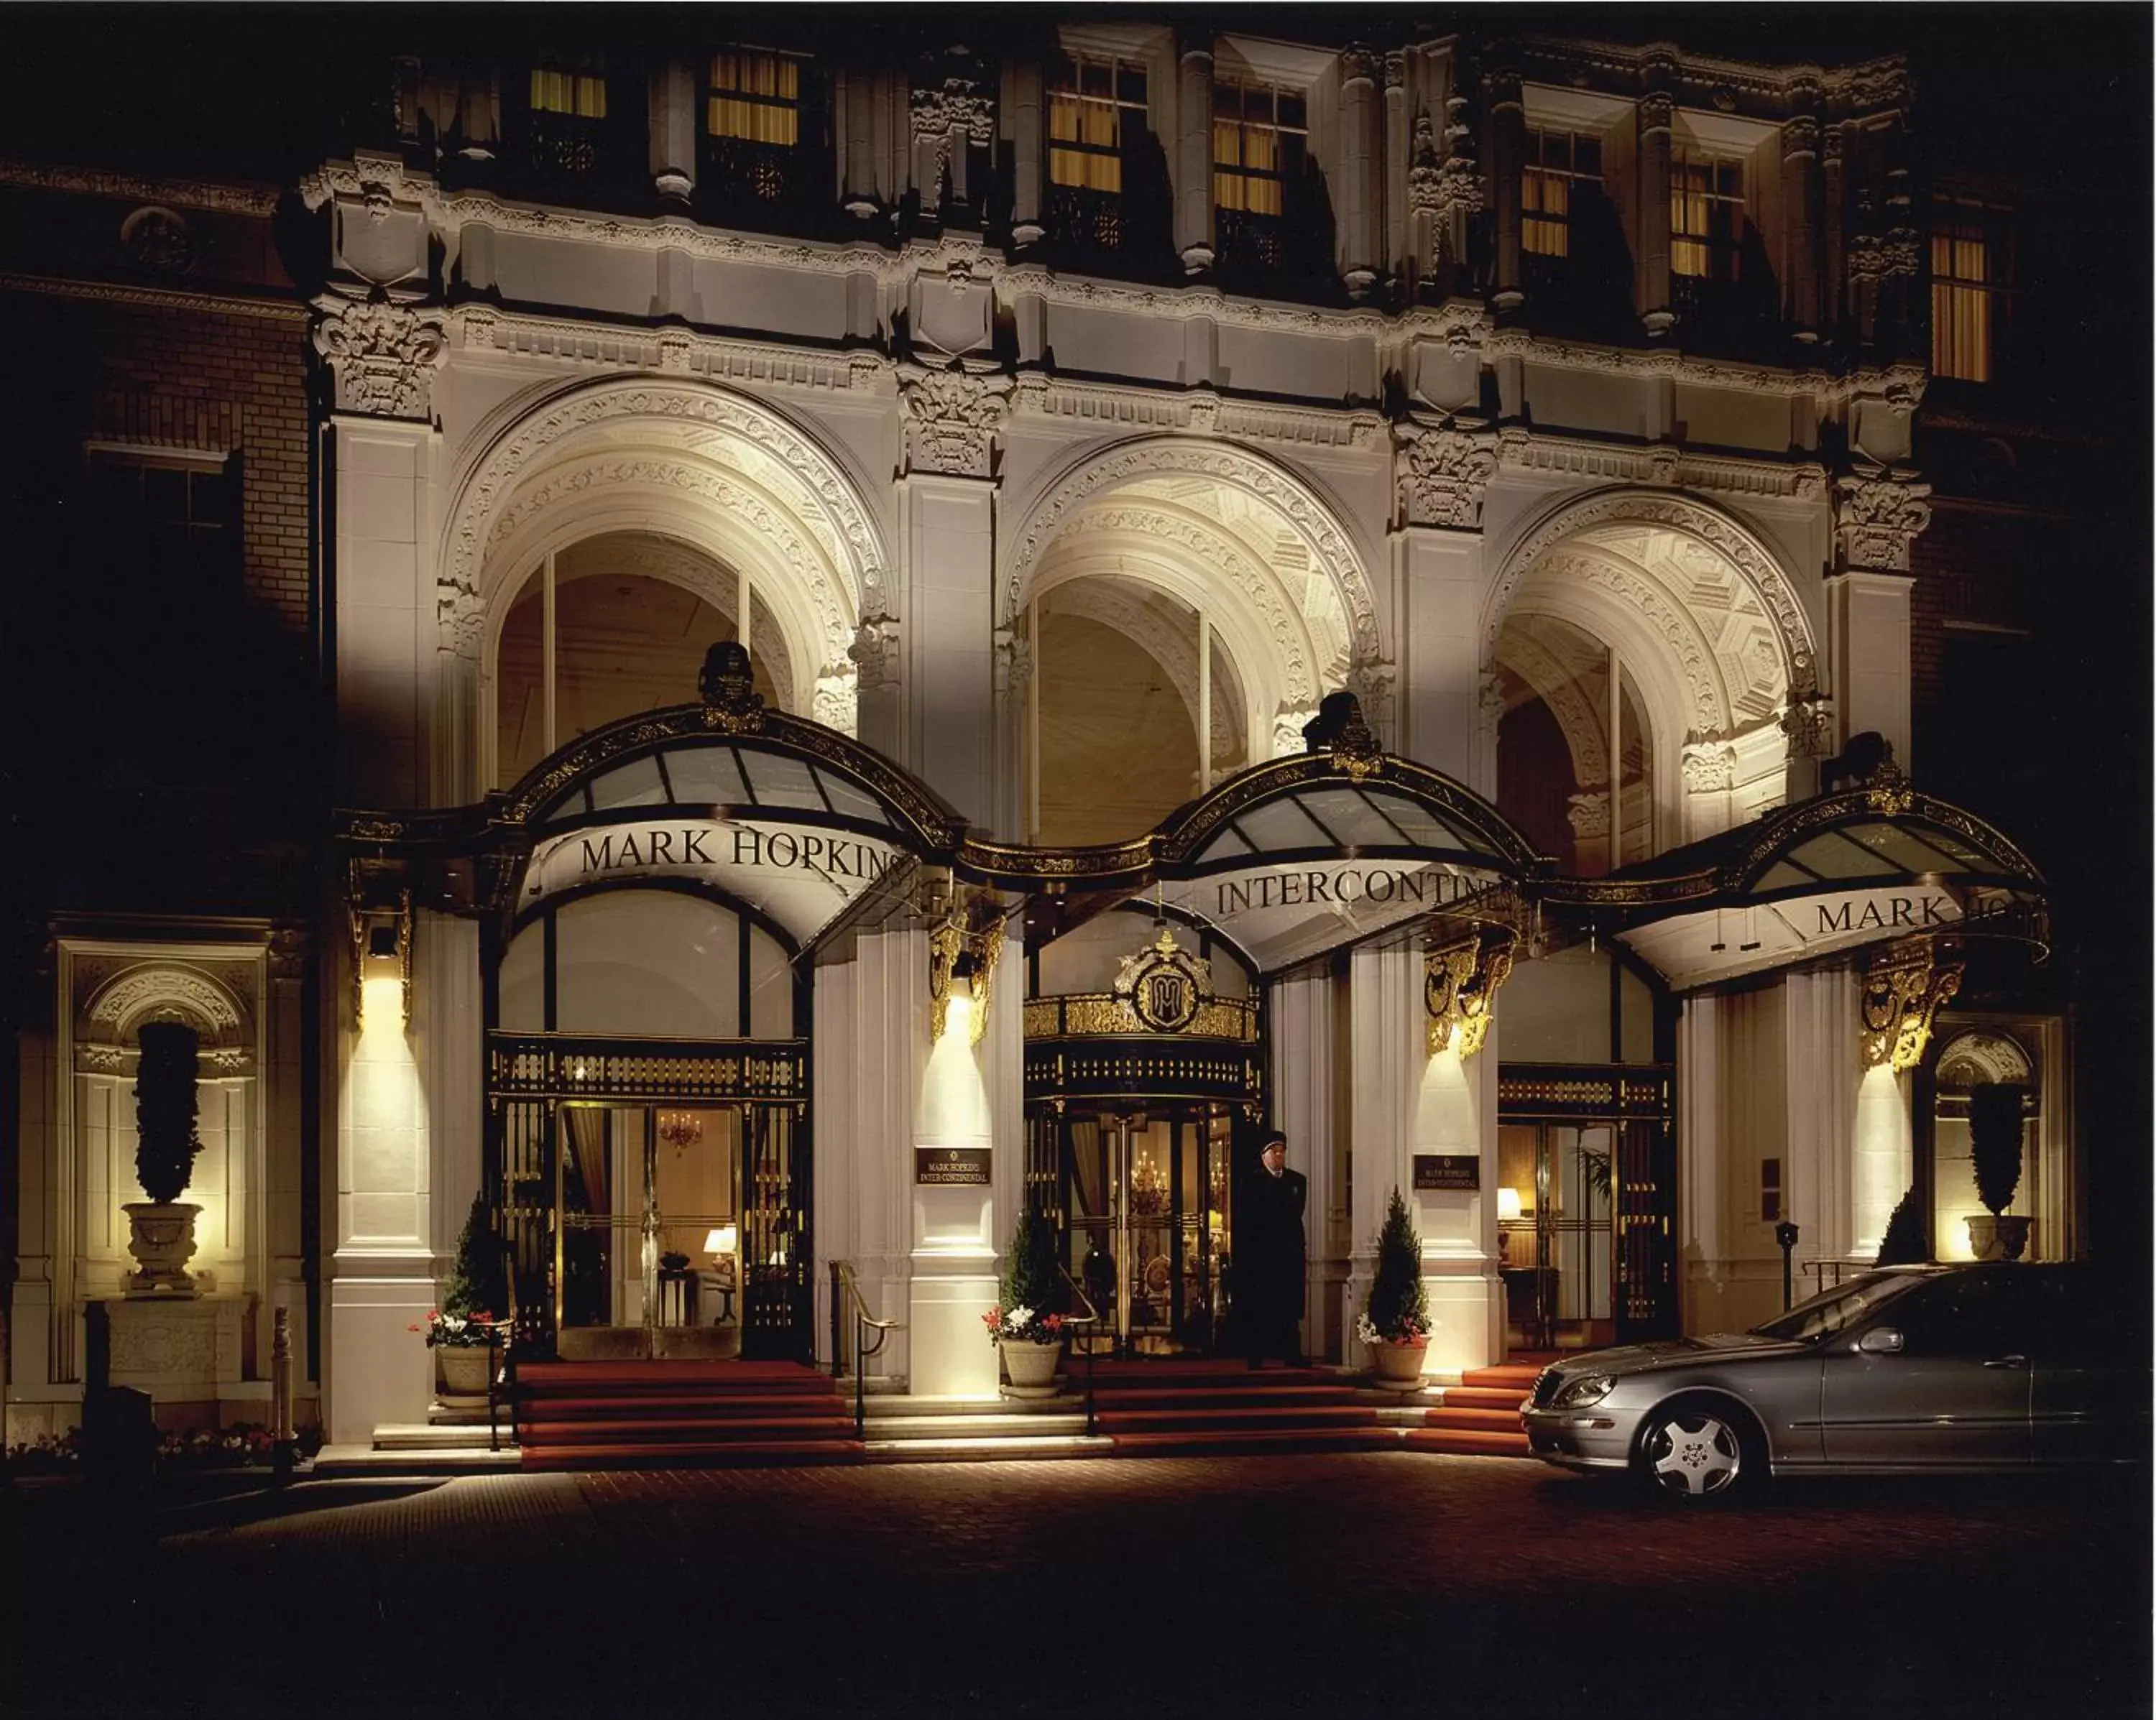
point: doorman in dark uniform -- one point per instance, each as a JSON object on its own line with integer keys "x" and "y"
{"x": 1269, "y": 1257}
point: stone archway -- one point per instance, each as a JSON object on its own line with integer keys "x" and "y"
{"x": 683, "y": 462}
{"x": 1714, "y": 648}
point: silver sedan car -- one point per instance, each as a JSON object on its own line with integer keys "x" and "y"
{"x": 1975, "y": 1368}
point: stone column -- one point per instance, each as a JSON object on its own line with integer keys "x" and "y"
{"x": 1440, "y": 479}
{"x": 1508, "y": 139}
{"x": 1800, "y": 193}
{"x": 857, "y": 119}
{"x": 947, "y": 503}
{"x": 674, "y": 131}
{"x": 448, "y": 1031}
{"x": 1193, "y": 153}
{"x": 1903, "y": 989}
{"x": 381, "y": 1269}
{"x": 1877, "y": 518}
{"x": 1303, "y": 1053}
{"x": 1459, "y": 1228}
{"x": 291, "y": 1134}
{"x": 1029, "y": 163}
{"x": 1361, "y": 194}
{"x": 1834, "y": 289}
{"x": 1393, "y": 241}
{"x": 1656, "y": 114}
{"x": 1386, "y": 1032}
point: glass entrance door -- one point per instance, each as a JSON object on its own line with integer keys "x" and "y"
{"x": 1555, "y": 1233}
{"x": 650, "y": 1213}
{"x": 1146, "y": 1202}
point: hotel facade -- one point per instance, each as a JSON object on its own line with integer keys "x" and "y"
{"x": 783, "y": 657}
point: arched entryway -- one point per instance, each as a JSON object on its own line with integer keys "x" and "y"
{"x": 1647, "y": 653}
{"x": 1176, "y": 609}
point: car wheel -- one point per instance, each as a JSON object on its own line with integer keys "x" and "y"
{"x": 1697, "y": 1452}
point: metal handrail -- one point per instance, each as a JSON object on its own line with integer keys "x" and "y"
{"x": 1092, "y": 1316}
{"x": 845, "y": 1288}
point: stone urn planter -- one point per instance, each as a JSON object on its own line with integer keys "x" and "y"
{"x": 1031, "y": 1367}
{"x": 161, "y": 1235}
{"x": 463, "y": 1367}
{"x": 1398, "y": 1367}
{"x": 1992, "y": 1237}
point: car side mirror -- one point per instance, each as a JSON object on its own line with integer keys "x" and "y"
{"x": 1881, "y": 1341}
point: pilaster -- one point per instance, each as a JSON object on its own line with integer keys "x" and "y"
{"x": 1440, "y": 577}
{"x": 1193, "y": 152}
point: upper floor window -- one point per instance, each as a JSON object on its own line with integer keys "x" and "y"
{"x": 754, "y": 97}
{"x": 1097, "y": 105}
{"x": 1260, "y": 136}
{"x": 1706, "y": 215}
{"x": 1562, "y": 168}
{"x": 1969, "y": 281}
{"x": 558, "y": 90}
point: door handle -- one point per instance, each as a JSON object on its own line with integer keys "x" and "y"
{"x": 2008, "y": 1362}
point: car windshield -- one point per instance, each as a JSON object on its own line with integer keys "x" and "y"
{"x": 1835, "y": 1310}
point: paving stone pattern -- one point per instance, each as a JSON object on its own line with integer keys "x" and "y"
{"x": 1377, "y": 1584}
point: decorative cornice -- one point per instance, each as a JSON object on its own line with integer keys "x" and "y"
{"x": 223, "y": 198}
{"x": 157, "y": 298}
{"x": 1201, "y": 411}
{"x": 480, "y": 328}
{"x": 1524, "y": 450}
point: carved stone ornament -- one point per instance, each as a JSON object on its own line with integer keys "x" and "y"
{"x": 731, "y": 704}
{"x": 1588, "y": 815}
{"x": 1904, "y": 991}
{"x": 381, "y": 354}
{"x": 1709, "y": 767}
{"x": 1876, "y": 520}
{"x": 1809, "y": 722}
{"x": 952, "y": 420}
{"x": 957, "y": 104}
{"x": 874, "y": 652}
{"x": 159, "y": 239}
{"x": 1357, "y": 64}
{"x": 1442, "y": 476}
{"x": 1800, "y": 136}
{"x": 1657, "y": 113}
{"x": 948, "y": 943}
{"x": 1013, "y": 661}
{"x": 1460, "y": 991}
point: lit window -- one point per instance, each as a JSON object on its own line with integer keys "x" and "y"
{"x": 1969, "y": 278}
{"x": 1706, "y": 215}
{"x": 1094, "y": 105}
{"x": 1560, "y": 167}
{"x": 1260, "y": 133}
{"x": 557, "y": 91}
{"x": 754, "y": 97}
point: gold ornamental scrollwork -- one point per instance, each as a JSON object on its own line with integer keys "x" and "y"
{"x": 951, "y": 943}
{"x": 1460, "y": 988}
{"x": 1904, "y": 989}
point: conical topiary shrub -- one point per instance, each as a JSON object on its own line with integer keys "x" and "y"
{"x": 164, "y": 1143}
{"x": 1397, "y": 1309}
{"x": 1904, "y": 1243}
{"x": 474, "y": 1283}
{"x": 1995, "y": 1143}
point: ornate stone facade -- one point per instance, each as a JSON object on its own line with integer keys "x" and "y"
{"x": 1442, "y": 476}
{"x": 1877, "y": 517}
{"x": 383, "y": 354}
{"x": 952, "y": 419}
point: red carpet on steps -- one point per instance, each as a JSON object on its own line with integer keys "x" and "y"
{"x": 1168, "y": 1407}
{"x": 648, "y": 1413}
{"x": 1481, "y": 1416}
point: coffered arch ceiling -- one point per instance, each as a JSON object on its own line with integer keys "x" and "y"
{"x": 1691, "y": 630}
{"x": 1231, "y": 556}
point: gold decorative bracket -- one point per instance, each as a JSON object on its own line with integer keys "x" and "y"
{"x": 955, "y": 950}
{"x": 1905, "y": 987}
{"x": 1460, "y": 988}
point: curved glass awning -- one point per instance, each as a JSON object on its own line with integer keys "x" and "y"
{"x": 1832, "y": 873}
{"x": 1300, "y": 856}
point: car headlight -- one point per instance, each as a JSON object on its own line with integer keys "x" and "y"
{"x": 1587, "y": 1389}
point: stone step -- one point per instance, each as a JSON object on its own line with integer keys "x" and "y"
{"x": 1483, "y": 1421}
{"x": 730, "y": 1454}
{"x": 891, "y": 1429}
{"x": 998, "y": 1448}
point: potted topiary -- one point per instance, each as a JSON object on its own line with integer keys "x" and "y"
{"x": 1395, "y": 1324}
{"x": 1026, "y": 1324}
{"x": 458, "y": 1330}
{"x": 161, "y": 1229}
{"x": 1994, "y": 1152}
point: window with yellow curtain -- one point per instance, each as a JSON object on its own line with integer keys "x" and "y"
{"x": 1968, "y": 278}
{"x": 1259, "y": 135}
{"x": 556, "y": 90}
{"x": 1706, "y": 215}
{"x": 1091, "y": 99}
{"x": 1559, "y": 166}
{"x": 755, "y": 96}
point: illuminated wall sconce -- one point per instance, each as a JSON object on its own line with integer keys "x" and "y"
{"x": 381, "y": 953}
{"x": 961, "y": 963}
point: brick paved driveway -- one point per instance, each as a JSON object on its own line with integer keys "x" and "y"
{"x": 1371, "y": 1585}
